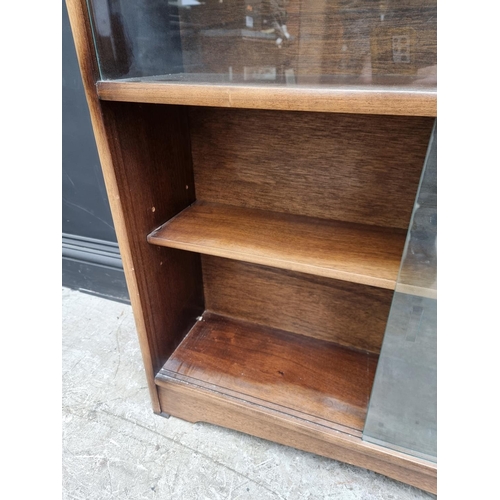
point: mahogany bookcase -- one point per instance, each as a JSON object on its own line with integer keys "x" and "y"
{"x": 262, "y": 228}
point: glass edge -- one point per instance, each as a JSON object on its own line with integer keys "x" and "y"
{"x": 94, "y": 37}
{"x": 365, "y": 436}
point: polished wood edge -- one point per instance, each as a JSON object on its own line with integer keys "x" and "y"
{"x": 194, "y": 404}
{"x": 86, "y": 55}
{"x": 404, "y": 102}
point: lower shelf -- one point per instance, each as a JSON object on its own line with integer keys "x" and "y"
{"x": 295, "y": 390}
{"x": 306, "y": 378}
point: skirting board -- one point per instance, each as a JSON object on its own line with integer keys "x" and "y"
{"x": 93, "y": 266}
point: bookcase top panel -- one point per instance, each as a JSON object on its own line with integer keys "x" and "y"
{"x": 343, "y": 44}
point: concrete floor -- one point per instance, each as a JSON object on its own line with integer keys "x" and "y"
{"x": 115, "y": 447}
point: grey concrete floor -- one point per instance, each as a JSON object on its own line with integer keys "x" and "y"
{"x": 115, "y": 447}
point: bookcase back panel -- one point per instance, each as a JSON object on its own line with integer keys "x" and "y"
{"x": 346, "y": 313}
{"x": 356, "y": 168}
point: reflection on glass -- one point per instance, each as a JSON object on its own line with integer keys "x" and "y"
{"x": 286, "y": 42}
{"x": 402, "y": 412}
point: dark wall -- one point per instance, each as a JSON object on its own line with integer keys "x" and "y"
{"x": 91, "y": 260}
{"x": 85, "y": 204}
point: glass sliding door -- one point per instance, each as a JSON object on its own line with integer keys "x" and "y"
{"x": 402, "y": 410}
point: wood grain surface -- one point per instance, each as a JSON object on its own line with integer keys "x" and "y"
{"x": 346, "y": 313}
{"x": 379, "y": 101}
{"x": 297, "y": 374}
{"x": 155, "y": 180}
{"x": 355, "y": 168}
{"x": 363, "y": 254}
{"x": 197, "y": 404}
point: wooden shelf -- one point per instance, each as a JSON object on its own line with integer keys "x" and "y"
{"x": 412, "y": 101}
{"x": 357, "y": 253}
{"x": 312, "y": 379}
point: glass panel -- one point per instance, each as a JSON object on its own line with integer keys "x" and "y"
{"x": 402, "y": 411}
{"x": 283, "y": 42}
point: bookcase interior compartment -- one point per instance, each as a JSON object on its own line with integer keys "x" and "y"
{"x": 300, "y": 250}
{"x": 359, "y": 172}
{"x": 261, "y": 197}
{"x": 265, "y": 270}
